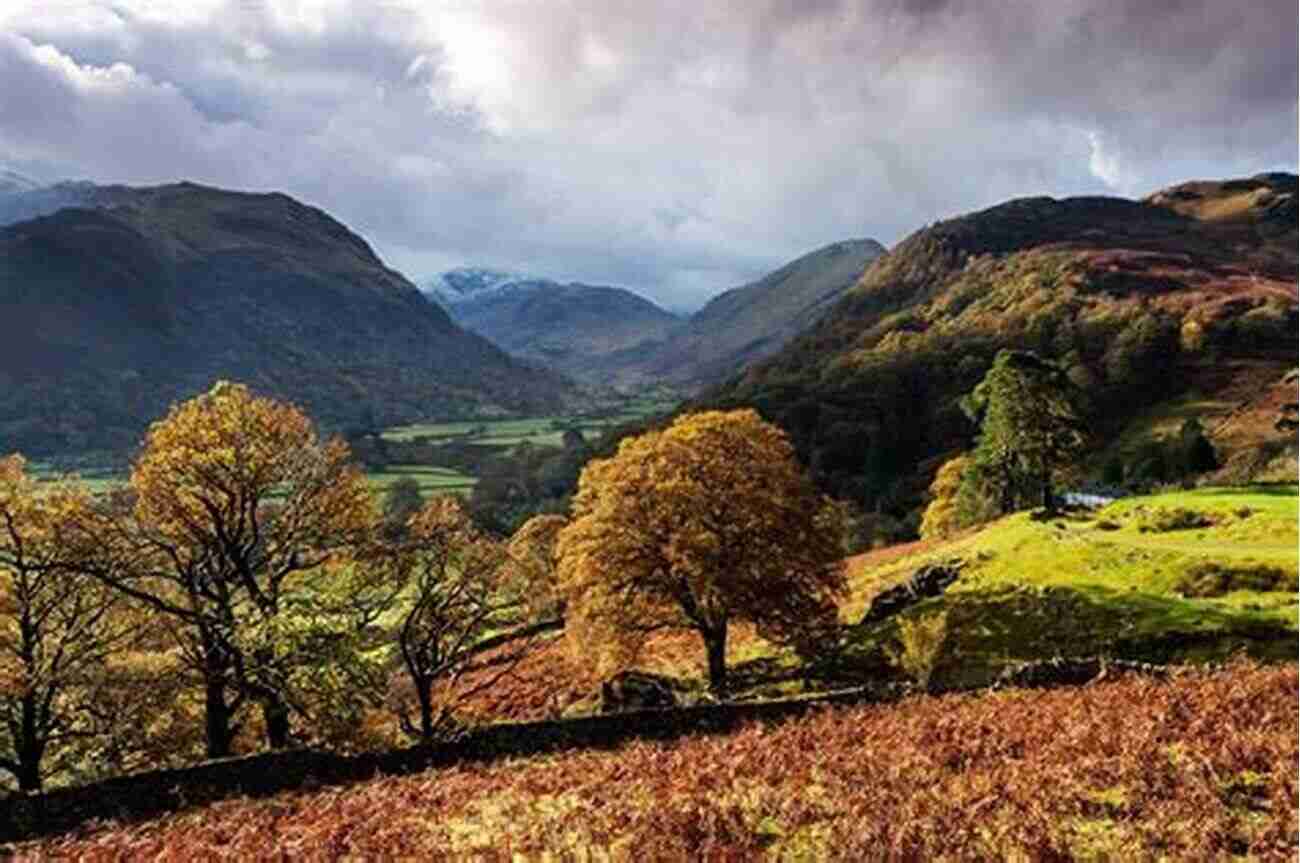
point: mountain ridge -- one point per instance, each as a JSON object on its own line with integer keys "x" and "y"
{"x": 613, "y": 335}
{"x": 119, "y": 310}
{"x": 1176, "y": 303}
{"x": 750, "y": 322}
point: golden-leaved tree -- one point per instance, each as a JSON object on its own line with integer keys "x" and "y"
{"x": 943, "y": 515}
{"x": 531, "y": 563}
{"x": 707, "y": 522}
{"x": 59, "y": 631}
{"x": 241, "y": 533}
{"x": 466, "y": 618}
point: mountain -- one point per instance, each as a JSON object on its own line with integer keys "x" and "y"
{"x": 28, "y": 200}
{"x": 12, "y": 183}
{"x": 1174, "y": 307}
{"x": 466, "y": 284}
{"x": 751, "y": 322}
{"x": 610, "y": 335}
{"x": 112, "y": 312}
{"x": 581, "y": 330}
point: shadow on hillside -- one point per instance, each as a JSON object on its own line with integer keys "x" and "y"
{"x": 988, "y": 631}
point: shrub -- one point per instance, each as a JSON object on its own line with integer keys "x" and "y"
{"x": 921, "y": 644}
{"x": 1210, "y": 579}
{"x": 943, "y": 516}
{"x": 1162, "y": 519}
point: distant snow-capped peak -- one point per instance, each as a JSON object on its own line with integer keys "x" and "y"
{"x": 471, "y": 284}
{"x": 12, "y": 182}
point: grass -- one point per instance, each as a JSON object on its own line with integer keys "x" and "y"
{"x": 1197, "y": 767}
{"x": 1084, "y": 585}
{"x": 1118, "y": 582}
{"x": 501, "y": 434}
{"x": 432, "y": 480}
{"x": 541, "y": 431}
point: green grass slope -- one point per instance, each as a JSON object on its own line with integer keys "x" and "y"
{"x": 1188, "y": 576}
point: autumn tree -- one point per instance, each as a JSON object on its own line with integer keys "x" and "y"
{"x": 59, "y": 630}
{"x": 531, "y": 564}
{"x": 242, "y": 516}
{"x": 943, "y": 514}
{"x": 705, "y": 523}
{"x": 463, "y": 625}
{"x": 1030, "y": 428}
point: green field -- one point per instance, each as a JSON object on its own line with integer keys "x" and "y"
{"x": 432, "y": 480}
{"x": 1193, "y": 575}
{"x": 503, "y": 434}
{"x": 540, "y": 431}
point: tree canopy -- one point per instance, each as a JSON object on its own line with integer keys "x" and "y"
{"x": 58, "y": 631}
{"x": 1030, "y": 429}
{"x": 240, "y": 530}
{"x": 465, "y": 622}
{"x": 707, "y": 522}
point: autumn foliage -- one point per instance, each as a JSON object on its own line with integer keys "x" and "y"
{"x": 59, "y": 631}
{"x": 1199, "y": 767}
{"x": 464, "y": 622}
{"x": 707, "y": 522}
{"x": 942, "y": 515}
{"x": 240, "y": 534}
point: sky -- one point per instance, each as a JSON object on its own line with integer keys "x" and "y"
{"x": 676, "y": 147}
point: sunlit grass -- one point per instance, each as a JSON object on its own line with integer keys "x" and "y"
{"x": 1098, "y": 583}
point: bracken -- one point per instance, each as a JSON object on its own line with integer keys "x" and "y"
{"x": 1196, "y": 767}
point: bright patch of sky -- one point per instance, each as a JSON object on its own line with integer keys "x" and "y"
{"x": 675, "y": 147}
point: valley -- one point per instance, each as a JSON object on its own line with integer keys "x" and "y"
{"x": 814, "y": 458}
{"x": 862, "y": 431}
{"x": 490, "y": 437}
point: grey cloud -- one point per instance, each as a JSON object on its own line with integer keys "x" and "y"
{"x": 679, "y": 148}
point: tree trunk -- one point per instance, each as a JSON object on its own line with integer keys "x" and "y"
{"x": 276, "y": 717}
{"x": 426, "y": 710}
{"x": 715, "y": 646}
{"x": 29, "y": 748}
{"x": 217, "y": 718}
{"x": 1049, "y": 500}
{"x": 29, "y": 775}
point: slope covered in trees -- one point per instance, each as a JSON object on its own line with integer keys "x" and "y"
{"x": 1182, "y": 305}
{"x": 148, "y": 295}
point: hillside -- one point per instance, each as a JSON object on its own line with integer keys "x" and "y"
{"x": 610, "y": 335}
{"x": 1180, "y": 305}
{"x": 114, "y": 312}
{"x": 754, "y": 321}
{"x": 1200, "y": 766}
{"x": 581, "y": 330}
{"x": 1177, "y": 578}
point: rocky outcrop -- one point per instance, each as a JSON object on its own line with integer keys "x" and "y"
{"x": 1061, "y": 671}
{"x": 636, "y": 690}
{"x": 929, "y": 581}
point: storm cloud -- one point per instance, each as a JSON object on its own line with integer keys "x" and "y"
{"x": 677, "y": 148}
